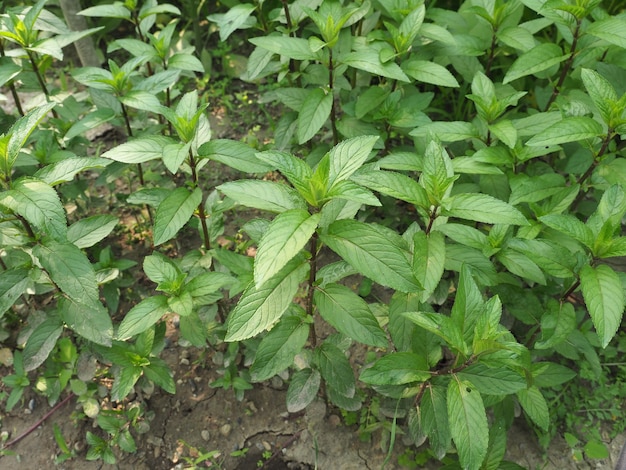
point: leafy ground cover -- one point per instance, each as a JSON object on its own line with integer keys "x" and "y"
{"x": 413, "y": 215}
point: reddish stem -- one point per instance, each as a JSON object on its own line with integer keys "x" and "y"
{"x": 40, "y": 421}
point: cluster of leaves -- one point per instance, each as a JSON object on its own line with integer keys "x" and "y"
{"x": 496, "y": 127}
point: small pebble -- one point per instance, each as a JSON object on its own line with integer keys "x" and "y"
{"x": 225, "y": 430}
{"x": 205, "y": 435}
{"x": 4, "y": 436}
{"x": 334, "y": 420}
{"x": 252, "y": 407}
{"x": 266, "y": 445}
{"x": 157, "y": 452}
{"x": 184, "y": 361}
{"x": 277, "y": 382}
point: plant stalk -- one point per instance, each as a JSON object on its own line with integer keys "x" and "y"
{"x": 11, "y": 84}
{"x": 129, "y": 131}
{"x": 201, "y": 212}
{"x": 567, "y": 66}
{"x": 42, "y": 84}
{"x": 333, "y": 111}
{"x": 40, "y": 421}
{"x": 311, "y": 287}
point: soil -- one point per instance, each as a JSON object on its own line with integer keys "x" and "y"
{"x": 255, "y": 433}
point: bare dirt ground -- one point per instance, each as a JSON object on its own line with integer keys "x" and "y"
{"x": 202, "y": 419}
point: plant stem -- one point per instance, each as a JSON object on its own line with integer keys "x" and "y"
{"x": 567, "y": 66}
{"x": 16, "y": 97}
{"x": 589, "y": 172}
{"x": 431, "y": 219}
{"x": 129, "y": 131}
{"x": 492, "y": 53}
{"x": 42, "y": 84}
{"x": 571, "y": 290}
{"x": 201, "y": 212}
{"x": 288, "y": 18}
{"x": 27, "y": 227}
{"x": 40, "y": 421}
{"x": 333, "y": 112}
{"x": 312, "y": 274}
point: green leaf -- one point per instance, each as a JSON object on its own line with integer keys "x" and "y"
{"x": 159, "y": 372}
{"x": 296, "y": 170}
{"x": 429, "y": 72}
{"x": 236, "y": 18}
{"x": 397, "y": 369}
{"x": 393, "y": 184}
{"x": 481, "y": 267}
{"x": 549, "y": 256}
{"x": 68, "y": 168}
{"x": 264, "y": 195}
{"x": 349, "y": 314}
{"x": 159, "y": 268}
{"x": 107, "y": 11}
{"x": 521, "y": 265}
{"x": 18, "y": 135}
{"x": 549, "y": 374}
{"x": 13, "y": 283}
{"x": 285, "y": 237}
{"x": 278, "y": 348}
{"x": 429, "y": 254}
{"x": 534, "y": 188}
{"x": 536, "y": 60}
{"x": 493, "y": 381}
{"x": 350, "y": 191}
{"x": 468, "y": 423}
{"x": 369, "y": 60}
{"x": 604, "y": 297}
{"x": 174, "y": 212}
{"x": 374, "y": 252}
{"x": 140, "y": 150}
{"x": 601, "y": 92}
{"x": 516, "y": 37}
{"x": 70, "y": 270}
{"x": 369, "y": 100}
{"x": 468, "y": 303}
{"x": 259, "y": 309}
{"x": 142, "y": 316}
{"x": 570, "y": 225}
{"x": 235, "y": 154}
{"x": 535, "y": 406}
{"x": 124, "y": 382}
{"x": 446, "y": 131}
{"x": 556, "y": 324}
{"x": 89, "y": 320}
{"x": 348, "y": 156}
{"x": 181, "y": 303}
{"x": 90, "y": 230}
{"x": 39, "y": 204}
{"x": 570, "y": 129}
{"x": 313, "y": 114}
{"x": 611, "y": 30}
{"x": 505, "y": 132}
{"x": 41, "y": 342}
{"x": 482, "y": 208}
{"x": 294, "y": 48}
{"x": 335, "y": 368}
{"x": 433, "y": 413}
{"x": 303, "y": 389}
